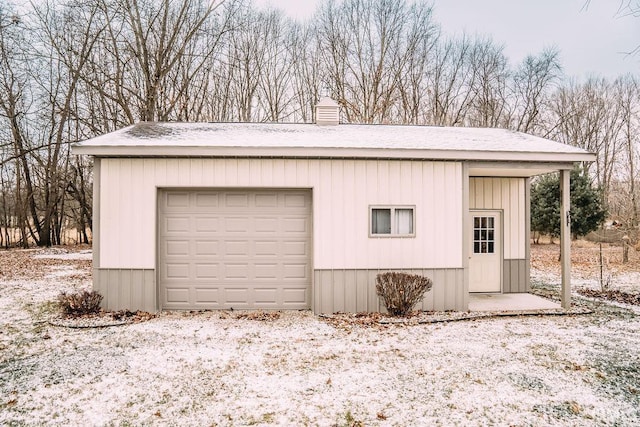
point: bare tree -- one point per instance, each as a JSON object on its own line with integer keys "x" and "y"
{"x": 67, "y": 50}
{"x": 418, "y": 43}
{"x": 154, "y": 53}
{"x": 588, "y": 116}
{"x": 306, "y": 72}
{"x": 449, "y": 79}
{"x": 489, "y": 83}
{"x": 625, "y": 203}
{"x": 14, "y": 106}
{"x": 532, "y": 84}
{"x": 260, "y": 66}
{"x": 275, "y": 94}
{"x": 365, "y": 45}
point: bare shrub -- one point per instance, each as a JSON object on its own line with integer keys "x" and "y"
{"x": 80, "y": 303}
{"x": 401, "y": 291}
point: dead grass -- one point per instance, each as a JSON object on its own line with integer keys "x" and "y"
{"x": 585, "y": 258}
{"x": 20, "y": 264}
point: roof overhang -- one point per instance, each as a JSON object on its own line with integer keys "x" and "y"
{"x": 488, "y": 151}
{"x": 329, "y": 153}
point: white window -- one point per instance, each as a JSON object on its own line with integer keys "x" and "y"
{"x": 392, "y": 221}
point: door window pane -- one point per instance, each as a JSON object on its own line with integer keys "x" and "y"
{"x": 483, "y": 235}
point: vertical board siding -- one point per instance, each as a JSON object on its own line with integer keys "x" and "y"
{"x": 515, "y": 273}
{"x": 338, "y": 292}
{"x": 354, "y": 291}
{"x": 508, "y": 195}
{"x": 342, "y": 190}
{"x": 362, "y": 290}
{"x": 126, "y": 288}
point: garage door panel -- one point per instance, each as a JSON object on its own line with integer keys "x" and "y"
{"x": 295, "y": 248}
{"x": 294, "y": 225}
{"x": 177, "y": 295}
{"x": 295, "y": 200}
{"x": 206, "y": 200}
{"x": 266, "y": 296}
{"x": 266, "y": 248}
{"x": 236, "y": 296}
{"x": 270, "y": 271}
{"x": 235, "y": 200}
{"x": 206, "y": 247}
{"x": 265, "y": 225}
{"x": 266, "y": 200}
{"x": 295, "y": 271}
{"x": 177, "y": 271}
{"x": 207, "y": 295}
{"x": 207, "y": 271}
{"x": 240, "y": 249}
{"x": 177, "y": 199}
{"x": 177, "y": 247}
{"x": 176, "y": 224}
{"x": 206, "y": 224}
{"x": 294, "y": 296}
{"x": 236, "y": 271}
{"x": 237, "y": 225}
{"x": 236, "y": 248}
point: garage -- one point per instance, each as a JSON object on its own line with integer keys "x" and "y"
{"x": 231, "y": 248}
{"x": 280, "y": 215}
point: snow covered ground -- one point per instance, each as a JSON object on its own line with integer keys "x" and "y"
{"x": 214, "y": 369}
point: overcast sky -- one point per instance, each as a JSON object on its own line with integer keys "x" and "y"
{"x": 592, "y": 41}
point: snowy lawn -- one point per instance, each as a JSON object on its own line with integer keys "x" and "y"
{"x": 216, "y": 369}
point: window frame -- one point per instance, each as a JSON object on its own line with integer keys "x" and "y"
{"x": 394, "y": 232}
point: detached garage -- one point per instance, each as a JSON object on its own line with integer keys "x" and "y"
{"x": 303, "y": 216}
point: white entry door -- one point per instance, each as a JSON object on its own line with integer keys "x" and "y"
{"x": 485, "y": 260}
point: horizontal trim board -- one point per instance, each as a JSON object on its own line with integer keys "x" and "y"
{"x": 354, "y": 291}
{"x": 528, "y": 165}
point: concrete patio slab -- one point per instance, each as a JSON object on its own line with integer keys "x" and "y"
{"x": 509, "y": 302}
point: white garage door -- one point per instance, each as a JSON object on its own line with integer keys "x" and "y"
{"x": 234, "y": 249}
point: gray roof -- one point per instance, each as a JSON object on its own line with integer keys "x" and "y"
{"x": 342, "y": 141}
